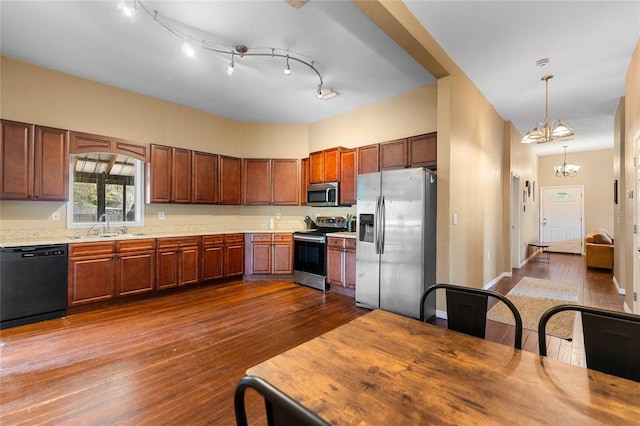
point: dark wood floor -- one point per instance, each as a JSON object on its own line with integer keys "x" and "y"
{"x": 177, "y": 359}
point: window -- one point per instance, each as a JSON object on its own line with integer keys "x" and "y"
{"x": 105, "y": 187}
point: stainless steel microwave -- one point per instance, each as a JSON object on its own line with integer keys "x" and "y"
{"x": 323, "y": 194}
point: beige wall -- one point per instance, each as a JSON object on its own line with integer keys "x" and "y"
{"x": 524, "y": 163}
{"x": 411, "y": 113}
{"x": 596, "y": 174}
{"x": 632, "y": 145}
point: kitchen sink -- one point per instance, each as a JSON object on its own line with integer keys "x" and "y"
{"x": 84, "y": 237}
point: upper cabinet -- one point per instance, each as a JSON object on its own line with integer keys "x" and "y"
{"x": 348, "y": 176}
{"x": 369, "y": 159}
{"x": 205, "y": 178}
{"x": 170, "y": 175}
{"x": 271, "y": 181}
{"x": 394, "y": 154}
{"x": 324, "y": 166}
{"x": 423, "y": 151}
{"x": 230, "y": 180}
{"x": 34, "y": 163}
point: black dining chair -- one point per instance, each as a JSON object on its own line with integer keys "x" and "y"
{"x": 281, "y": 409}
{"x": 611, "y": 339}
{"x": 467, "y": 310}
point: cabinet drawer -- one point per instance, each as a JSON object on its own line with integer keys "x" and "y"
{"x": 233, "y": 238}
{"x": 211, "y": 240}
{"x": 282, "y": 237}
{"x": 350, "y": 244}
{"x": 261, "y": 238}
{"x": 335, "y": 243}
{"x": 91, "y": 249}
{"x": 176, "y": 242}
{"x": 135, "y": 245}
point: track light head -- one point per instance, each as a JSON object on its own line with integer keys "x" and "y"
{"x": 287, "y": 69}
{"x": 231, "y": 65}
{"x": 129, "y": 10}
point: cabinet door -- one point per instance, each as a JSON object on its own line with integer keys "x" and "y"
{"x": 261, "y": 258}
{"x": 316, "y": 167}
{"x": 91, "y": 279}
{"x": 282, "y": 253}
{"x": 51, "y": 162}
{"x": 257, "y": 181}
{"x": 213, "y": 262}
{"x": 304, "y": 180}
{"x": 332, "y": 165}
{"x": 285, "y": 182}
{"x": 348, "y": 176}
{"x": 350, "y": 264}
{"x": 160, "y": 175}
{"x": 423, "y": 151}
{"x": 166, "y": 268}
{"x": 368, "y": 159}
{"x": 205, "y": 178}
{"x": 181, "y": 176}
{"x": 393, "y": 155}
{"x": 234, "y": 260}
{"x": 189, "y": 265}
{"x": 334, "y": 266}
{"x": 135, "y": 273}
{"x": 17, "y": 161}
{"x": 230, "y": 180}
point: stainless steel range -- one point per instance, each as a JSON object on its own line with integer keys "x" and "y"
{"x": 310, "y": 250}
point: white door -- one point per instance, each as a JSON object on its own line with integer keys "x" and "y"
{"x": 561, "y": 213}
{"x": 515, "y": 221}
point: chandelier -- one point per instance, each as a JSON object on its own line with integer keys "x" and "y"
{"x": 546, "y": 131}
{"x": 191, "y": 44}
{"x": 566, "y": 170}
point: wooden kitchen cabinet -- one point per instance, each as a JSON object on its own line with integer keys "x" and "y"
{"x": 341, "y": 264}
{"x": 91, "y": 276}
{"x": 304, "y": 180}
{"x": 270, "y": 254}
{"x": 394, "y": 154}
{"x": 257, "y": 181}
{"x": 423, "y": 151}
{"x": 369, "y": 159}
{"x": 178, "y": 262}
{"x": 34, "y": 163}
{"x": 285, "y": 182}
{"x": 170, "y": 175}
{"x": 222, "y": 256}
{"x": 230, "y": 180}
{"x": 324, "y": 166}
{"x": 348, "y": 176}
{"x": 205, "y": 178}
{"x": 135, "y": 267}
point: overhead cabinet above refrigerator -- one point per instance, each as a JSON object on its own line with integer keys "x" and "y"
{"x": 396, "y": 231}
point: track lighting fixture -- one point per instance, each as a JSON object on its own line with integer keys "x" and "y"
{"x": 287, "y": 70}
{"x": 241, "y": 50}
{"x": 231, "y": 65}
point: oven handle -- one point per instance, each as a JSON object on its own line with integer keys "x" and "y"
{"x": 310, "y": 238}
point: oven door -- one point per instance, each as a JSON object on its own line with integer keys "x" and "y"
{"x": 309, "y": 256}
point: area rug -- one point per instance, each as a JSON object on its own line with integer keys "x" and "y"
{"x": 532, "y": 297}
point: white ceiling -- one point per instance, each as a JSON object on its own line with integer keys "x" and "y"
{"x": 589, "y": 44}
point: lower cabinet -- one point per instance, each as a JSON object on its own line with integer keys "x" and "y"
{"x": 103, "y": 270}
{"x": 341, "y": 263}
{"x": 177, "y": 262}
{"x": 222, "y": 256}
{"x": 270, "y": 254}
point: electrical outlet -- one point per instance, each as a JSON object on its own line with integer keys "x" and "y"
{"x": 278, "y": 215}
{"x": 455, "y": 218}
{"x": 55, "y": 216}
{"x": 161, "y": 215}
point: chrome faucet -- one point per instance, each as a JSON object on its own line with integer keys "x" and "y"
{"x": 106, "y": 219}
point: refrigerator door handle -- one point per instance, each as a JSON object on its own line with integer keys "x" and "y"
{"x": 383, "y": 224}
{"x": 376, "y": 229}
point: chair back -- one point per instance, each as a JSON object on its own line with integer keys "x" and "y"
{"x": 611, "y": 339}
{"x": 467, "y": 310}
{"x": 281, "y": 410}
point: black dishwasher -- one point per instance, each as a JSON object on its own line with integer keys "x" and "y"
{"x": 33, "y": 284}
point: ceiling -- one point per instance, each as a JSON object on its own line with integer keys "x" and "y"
{"x": 589, "y": 45}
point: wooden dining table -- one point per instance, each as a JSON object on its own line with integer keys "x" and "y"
{"x": 386, "y": 369}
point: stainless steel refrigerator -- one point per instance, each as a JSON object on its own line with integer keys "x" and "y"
{"x": 396, "y": 246}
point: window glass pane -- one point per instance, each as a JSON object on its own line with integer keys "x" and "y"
{"x": 114, "y": 202}
{"x": 85, "y": 202}
{"x": 562, "y": 196}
